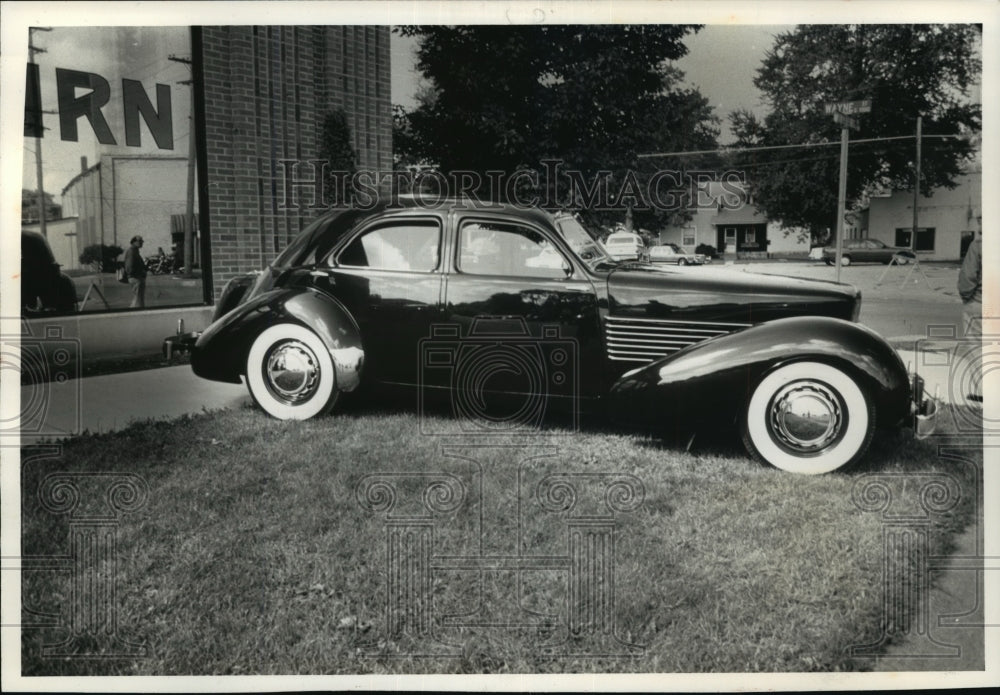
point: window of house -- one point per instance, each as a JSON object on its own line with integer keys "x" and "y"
{"x": 925, "y": 238}
{"x": 730, "y": 235}
{"x": 487, "y": 248}
{"x": 688, "y": 238}
{"x": 751, "y": 236}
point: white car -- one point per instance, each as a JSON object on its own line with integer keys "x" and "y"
{"x": 625, "y": 246}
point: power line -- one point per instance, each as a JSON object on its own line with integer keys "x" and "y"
{"x": 727, "y": 150}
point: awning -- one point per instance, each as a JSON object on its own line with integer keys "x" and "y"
{"x": 747, "y": 214}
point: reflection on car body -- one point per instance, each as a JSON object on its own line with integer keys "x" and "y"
{"x": 500, "y": 299}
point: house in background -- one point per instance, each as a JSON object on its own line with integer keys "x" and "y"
{"x": 735, "y": 227}
{"x": 945, "y": 222}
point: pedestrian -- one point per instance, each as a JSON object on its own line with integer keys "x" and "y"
{"x": 970, "y": 289}
{"x": 135, "y": 271}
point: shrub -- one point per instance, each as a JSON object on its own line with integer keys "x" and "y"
{"x": 707, "y": 250}
{"x": 103, "y": 257}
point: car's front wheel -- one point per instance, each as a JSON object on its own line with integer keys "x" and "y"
{"x": 290, "y": 373}
{"x": 845, "y": 260}
{"x": 808, "y": 417}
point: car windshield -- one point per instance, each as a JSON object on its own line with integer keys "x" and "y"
{"x": 581, "y": 242}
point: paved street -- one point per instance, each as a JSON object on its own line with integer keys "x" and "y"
{"x": 907, "y": 302}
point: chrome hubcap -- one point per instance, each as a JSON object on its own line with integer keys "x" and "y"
{"x": 806, "y": 417}
{"x": 291, "y": 372}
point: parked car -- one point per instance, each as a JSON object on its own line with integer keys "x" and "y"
{"x": 453, "y": 299}
{"x": 867, "y": 251}
{"x": 625, "y": 246}
{"x": 672, "y": 253}
{"x": 45, "y": 289}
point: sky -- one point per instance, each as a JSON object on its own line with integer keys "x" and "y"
{"x": 722, "y": 61}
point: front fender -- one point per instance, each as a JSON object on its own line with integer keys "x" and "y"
{"x": 221, "y": 351}
{"x": 716, "y": 377}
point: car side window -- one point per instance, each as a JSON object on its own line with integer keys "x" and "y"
{"x": 412, "y": 245}
{"x": 491, "y": 248}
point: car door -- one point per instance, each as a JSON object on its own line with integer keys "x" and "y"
{"x": 523, "y": 309}
{"x": 388, "y": 274}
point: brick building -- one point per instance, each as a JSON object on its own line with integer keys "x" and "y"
{"x": 266, "y": 91}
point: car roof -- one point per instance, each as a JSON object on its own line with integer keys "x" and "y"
{"x": 326, "y": 230}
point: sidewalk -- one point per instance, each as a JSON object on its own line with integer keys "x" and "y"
{"x": 106, "y": 403}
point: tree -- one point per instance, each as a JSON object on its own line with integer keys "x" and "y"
{"x": 906, "y": 70}
{"x": 335, "y": 149}
{"x": 511, "y": 98}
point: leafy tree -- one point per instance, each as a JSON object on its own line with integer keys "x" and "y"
{"x": 512, "y": 98}
{"x": 906, "y": 70}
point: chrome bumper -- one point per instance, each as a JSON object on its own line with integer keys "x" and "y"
{"x": 180, "y": 343}
{"x": 924, "y": 408}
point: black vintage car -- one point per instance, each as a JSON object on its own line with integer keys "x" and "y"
{"x": 474, "y": 300}
{"x": 45, "y": 289}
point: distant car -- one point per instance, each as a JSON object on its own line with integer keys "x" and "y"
{"x": 867, "y": 251}
{"x": 625, "y": 246}
{"x": 485, "y": 302}
{"x": 672, "y": 253}
{"x": 45, "y": 288}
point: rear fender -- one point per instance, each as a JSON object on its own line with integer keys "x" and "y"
{"x": 716, "y": 377}
{"x": 221, "y": 351}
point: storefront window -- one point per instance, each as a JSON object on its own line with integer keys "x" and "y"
{"x": 109, "y": 156}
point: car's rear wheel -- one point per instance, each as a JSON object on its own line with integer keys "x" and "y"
{"x": 290, "y": 373}
{"x": 808, "y": 417}
{"x": 845, "y": 260}
{"x": 902, "y": 260}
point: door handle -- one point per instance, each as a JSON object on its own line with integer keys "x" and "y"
{"x": 322, "y": 274}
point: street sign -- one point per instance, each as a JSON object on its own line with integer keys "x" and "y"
{"x": 845, "y": 120}
{"x": 849, "y": 107}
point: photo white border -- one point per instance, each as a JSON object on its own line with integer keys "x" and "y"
{"x": 17, "y": 16}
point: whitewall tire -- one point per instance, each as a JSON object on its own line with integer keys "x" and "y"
{"x": 290, "y": 373}
{"x": 808, "y": 417}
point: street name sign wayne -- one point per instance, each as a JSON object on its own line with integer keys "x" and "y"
{"x": 849, "y": 107}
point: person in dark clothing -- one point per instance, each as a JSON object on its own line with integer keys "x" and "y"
{"x": 970, "y": 284}
{"x": 135, "y": 271}
{"x": 970, "y": 289}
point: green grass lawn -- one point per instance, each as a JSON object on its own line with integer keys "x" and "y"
{"x": 263, "y": 548}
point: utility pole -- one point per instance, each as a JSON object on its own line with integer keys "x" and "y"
{"x": 189, "y": 209}
{"x": 843, "y": 114}
{"x": 32, "y": 50}
{"x": 916, "y": 188}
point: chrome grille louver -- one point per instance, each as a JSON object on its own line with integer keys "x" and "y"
{"x": 645, "y": 340}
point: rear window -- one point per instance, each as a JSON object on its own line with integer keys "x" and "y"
{"x": 316, "y": 241}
